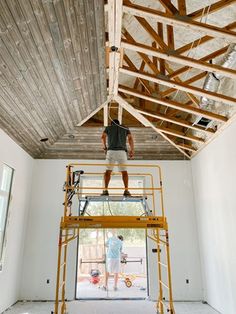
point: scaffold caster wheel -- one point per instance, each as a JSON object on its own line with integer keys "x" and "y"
{"x": 128, "y": 282}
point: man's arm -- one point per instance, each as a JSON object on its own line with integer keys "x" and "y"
{"x": 104, "y": 141}
{"x": 131, "y": 145}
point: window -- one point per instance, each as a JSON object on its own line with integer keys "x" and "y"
{"x": 5, "y": 192}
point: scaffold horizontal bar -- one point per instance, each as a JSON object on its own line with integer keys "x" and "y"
{"x": 71, "y": 187}
{"x": 99, "y": 222}
{"x": 113, "y": 198}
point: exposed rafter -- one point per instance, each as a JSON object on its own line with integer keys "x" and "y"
{"x": 181, "y": 86}
{"x": 209, "y": 30}
{"x": 201, "y": 65}
{"x": 173, "y": 104}
{"x": 158, "y": 73}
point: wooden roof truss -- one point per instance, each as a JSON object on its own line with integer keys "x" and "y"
{"x": 156, "y": 81}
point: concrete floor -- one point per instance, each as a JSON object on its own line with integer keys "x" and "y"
{"x": 85, "y": 289}
{"x": 108, "y": 307}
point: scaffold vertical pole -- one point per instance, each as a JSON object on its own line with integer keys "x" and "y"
{"x": 172, "y": 311}
{"x": 58, "y": 272}
{"x": 160, "y": 298}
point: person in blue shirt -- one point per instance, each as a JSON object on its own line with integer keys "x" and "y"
{"x": 113, "y": 257}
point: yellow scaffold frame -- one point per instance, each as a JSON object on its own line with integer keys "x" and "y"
{"x": 70, "y": 226}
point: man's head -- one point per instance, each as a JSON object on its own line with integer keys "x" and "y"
{"x": 115, "y": 122}
{"x": 120, "y": 237}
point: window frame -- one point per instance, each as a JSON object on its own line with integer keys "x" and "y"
{"x": 8, "y": 200}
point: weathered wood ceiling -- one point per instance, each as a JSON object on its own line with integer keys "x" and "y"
{"x": 52, "y": 72}
{"x": 60, "y": 60}
{"x": 85, "y": 141}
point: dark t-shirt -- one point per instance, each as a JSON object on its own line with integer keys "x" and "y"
{"x": 117, "y": 137}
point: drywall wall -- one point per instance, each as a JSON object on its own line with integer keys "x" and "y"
{"x": 40, "y": 256}
{"x": 15, "y": 157}
{"x": 214, "y": 173}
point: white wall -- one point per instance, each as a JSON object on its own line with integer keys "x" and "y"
{"x": 14, "y": 156}
{"x": 214, "y": 175}
{"x": 40, "y": 258}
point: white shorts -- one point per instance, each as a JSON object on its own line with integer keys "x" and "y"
{"x": 113, "y": 265}
{"x": 119, "y": 156}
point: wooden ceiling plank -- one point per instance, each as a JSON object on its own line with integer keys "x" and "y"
{"x": 20, "y": 89}
{"x": 25, "y": 79}
{"x": 183, "y": 123}
{"x": 32, "y": 48}
{"x": 36, "y": 31}
{"x": 210, "y": 8}
{"x": 64, "y": 48}
{"x": 75, "y": 23}
{"x": 85, "y": 16}
{"x": 49, "y": 30}
{"x": 173, "y": 104}
{"x": 201, "y": 65}
{"x": 145, "y": 121}
{"x": 24, "y": 71}
{"x": 99, "y": 42}
{"x": 214, "y": 31}
{"x": 23, "y": 122}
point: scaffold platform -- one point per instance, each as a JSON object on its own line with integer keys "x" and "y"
{"x": 86, "y": 200}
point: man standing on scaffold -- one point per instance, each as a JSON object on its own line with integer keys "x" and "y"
{"x": 117, "y": 152}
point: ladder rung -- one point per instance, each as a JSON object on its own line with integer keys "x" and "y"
{"x": 164, "y": 284}
{"x": 163, "y": 303}
{"x": 162, "y": 241}
{"x": 63, "y": 284}
{"x": 62, "y": 265}
{"x": 162, "y": 264}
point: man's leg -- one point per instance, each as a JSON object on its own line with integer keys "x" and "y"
{"x": 107, "y": 178}
{"x": 106, "y": 279}
{"x": 125, "y": 178}
{"x": 116, "y": 277}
